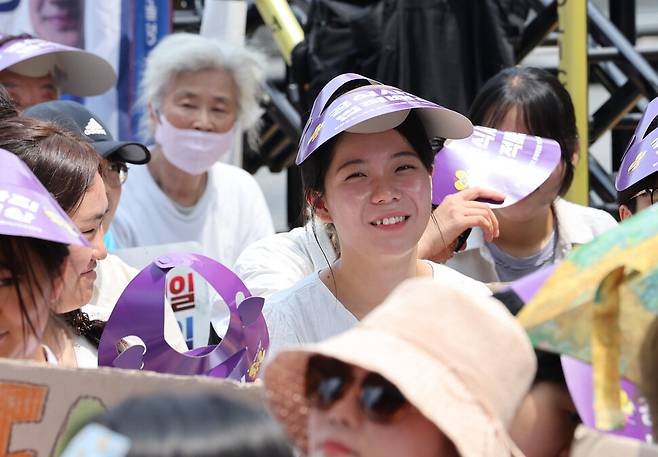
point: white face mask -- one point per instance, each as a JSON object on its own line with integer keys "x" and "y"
{"x": 193, "y": 151}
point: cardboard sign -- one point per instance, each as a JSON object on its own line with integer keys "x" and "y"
{"x": 597, "y": 305}
{"x": 513, "y": 163}
{"x": 41, "y": 406}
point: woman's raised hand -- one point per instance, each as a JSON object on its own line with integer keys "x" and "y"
{"x": 456, "y": 214}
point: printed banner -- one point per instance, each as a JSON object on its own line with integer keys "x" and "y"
{"x": 121, "y": 32}
{"x": 143, "y": 24}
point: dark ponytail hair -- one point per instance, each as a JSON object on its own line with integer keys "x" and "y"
{"x": 82, "y": 326}
{"x": 543, "y": 104}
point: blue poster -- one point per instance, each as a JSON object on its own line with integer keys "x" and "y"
{"x": 143, "y": 24}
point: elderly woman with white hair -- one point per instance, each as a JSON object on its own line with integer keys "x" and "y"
{"x": 197, "y": 95}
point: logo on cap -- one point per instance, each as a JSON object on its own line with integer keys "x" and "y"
{"x": 636, "y": 162}
{"x": 94, "y": 128}
{"x": 461, "y": 180}
{"x": 316, "y": 132}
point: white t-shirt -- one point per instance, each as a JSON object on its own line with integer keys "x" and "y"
{"x": 51, "y": 358}
{"x": 230, "y": 215}
{"x": 309, "y": 312}
{"x": 112, "y": 277}
{"x": 86, "y": 355}
{"x": 280, "y": 261}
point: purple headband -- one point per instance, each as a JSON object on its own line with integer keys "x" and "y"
{"x": 373, "y": 108}
{"x": 76, "y": 71}
{"x": 512, "y": 163}
{"x": 641, "y": 157}
{"x": 27, "y": 208}
{"x": 636, "y": 411}
{"x": 139, "y": 312}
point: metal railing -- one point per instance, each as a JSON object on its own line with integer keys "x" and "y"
{"x": 614, "y": 62}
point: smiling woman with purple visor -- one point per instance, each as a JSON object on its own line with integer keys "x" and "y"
{"x": 35, "y": 238}
{"x": 366, "y": 164}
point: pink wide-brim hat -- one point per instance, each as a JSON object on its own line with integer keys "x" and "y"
{"x": 462, "y": 360}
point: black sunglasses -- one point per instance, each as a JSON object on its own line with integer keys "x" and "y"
{"x": 327, "y": 380}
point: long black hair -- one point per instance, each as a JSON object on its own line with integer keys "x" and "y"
{"x": 196, "y": 425}
{"x": 543, "y": 104}
{"x": 18, "y": 255}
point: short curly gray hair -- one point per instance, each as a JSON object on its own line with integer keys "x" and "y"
{"x": 186, "y": 52}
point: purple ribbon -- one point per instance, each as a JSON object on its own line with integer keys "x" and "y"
{"x": 528, "y": 286}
